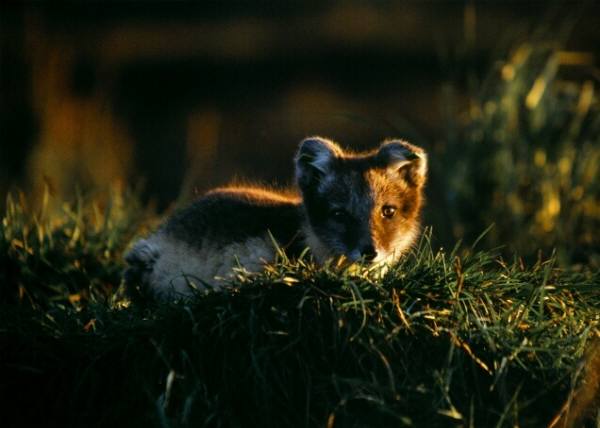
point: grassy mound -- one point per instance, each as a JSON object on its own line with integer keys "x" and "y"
{"x": 462, "y": 338}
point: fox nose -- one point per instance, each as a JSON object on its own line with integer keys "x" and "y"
{"x": 368, "y": 252}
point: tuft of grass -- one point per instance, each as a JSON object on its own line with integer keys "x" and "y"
{"x": 68, "y": 256}
{"x": 460, "y": 338}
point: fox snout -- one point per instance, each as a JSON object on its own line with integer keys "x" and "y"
{"x": 367, "y": 253}
{"x": 365, "y": 247}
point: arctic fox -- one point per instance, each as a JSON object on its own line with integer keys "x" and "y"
{"x": 364, "y": 206}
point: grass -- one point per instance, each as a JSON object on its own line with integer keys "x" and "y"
{"x": 461, "y": 338}
{"x": 524, "y": 154}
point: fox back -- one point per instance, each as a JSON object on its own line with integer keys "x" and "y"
{"x": 363, "y": 206}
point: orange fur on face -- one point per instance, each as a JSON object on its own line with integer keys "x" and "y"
{"x": 389, "y": 188}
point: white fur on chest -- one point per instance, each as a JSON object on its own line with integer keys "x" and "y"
{"x": 180, "y": 268}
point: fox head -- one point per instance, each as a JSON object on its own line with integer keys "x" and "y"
{"x": 364, "y": 206}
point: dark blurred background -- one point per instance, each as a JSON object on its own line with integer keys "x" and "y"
{"x": 190, "y": 95}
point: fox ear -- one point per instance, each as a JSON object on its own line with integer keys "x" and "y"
{"x": 407, "y": 160}
{"x": 314, "y": 159}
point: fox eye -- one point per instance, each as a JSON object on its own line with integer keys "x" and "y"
{"x": 337, "y": 214}
{"x": 388, "y": 211}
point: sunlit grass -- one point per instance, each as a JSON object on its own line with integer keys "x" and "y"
{"x": 460, "y": 338}
{"x": 69, "y": 255}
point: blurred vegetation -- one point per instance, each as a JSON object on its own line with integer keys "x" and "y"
{"x": 519, "y": 150}
{"x": 525, "y": 157}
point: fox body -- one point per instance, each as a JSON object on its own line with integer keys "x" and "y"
{"x": 364, "y": 206}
